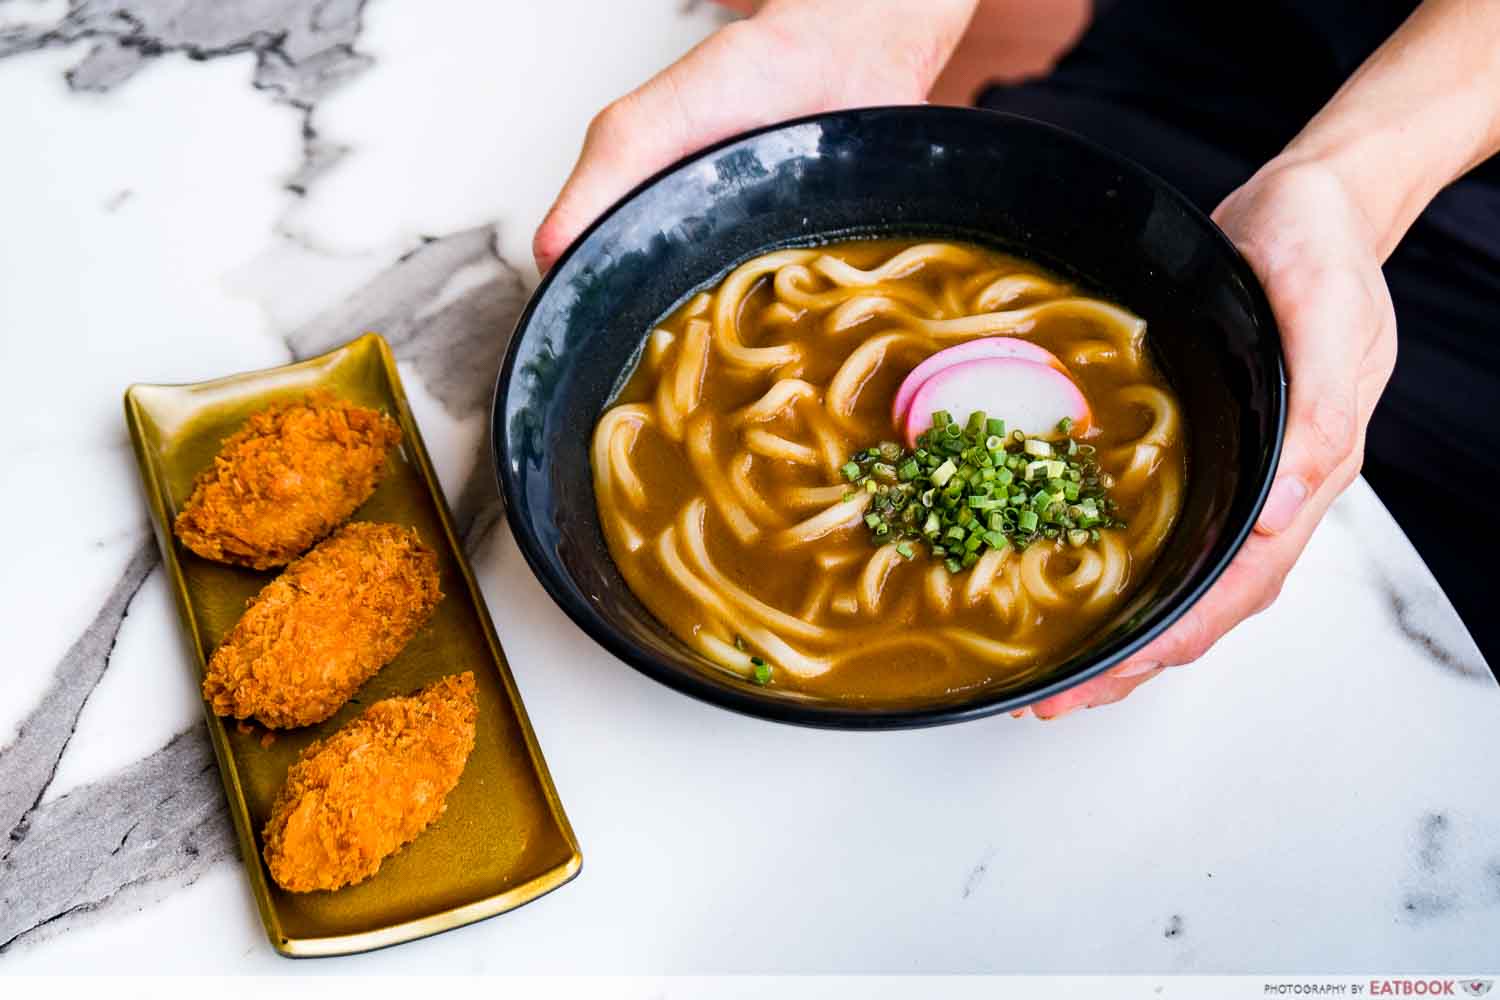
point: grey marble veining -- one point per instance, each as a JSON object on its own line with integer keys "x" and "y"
{"x": 1417, "y": 604}
{"x": 29, "y": 761}
{"x": 446, "y": 308}
{"x": 302, "y": 49}
{"x": 161, "y": 820}
{"x": 159, "y": 823}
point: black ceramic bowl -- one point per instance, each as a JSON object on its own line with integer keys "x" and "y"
{"x": 1001, "y": 180}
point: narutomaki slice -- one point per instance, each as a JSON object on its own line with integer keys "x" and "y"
{"x": 969, "y": 350}
{"x": 1029, "y": 397}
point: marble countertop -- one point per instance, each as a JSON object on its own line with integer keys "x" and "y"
{"x": 192, "y": 188}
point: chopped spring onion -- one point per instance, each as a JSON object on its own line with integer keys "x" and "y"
{"x": 969, "y": 488}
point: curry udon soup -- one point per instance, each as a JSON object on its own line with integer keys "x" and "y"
{"x": 885, "y": 471}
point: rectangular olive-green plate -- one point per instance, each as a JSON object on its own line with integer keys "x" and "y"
{"x": 504, "y": 839}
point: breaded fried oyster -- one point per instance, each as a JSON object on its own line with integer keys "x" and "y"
{"x": 356, "y": 798}
{"x": 288, "y": 477}
{"x": 326, "y": 625}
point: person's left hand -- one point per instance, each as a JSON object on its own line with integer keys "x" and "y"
{"x": 1318, "y": 259}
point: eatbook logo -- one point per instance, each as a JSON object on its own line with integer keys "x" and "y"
{"x": 1477, "y": 987}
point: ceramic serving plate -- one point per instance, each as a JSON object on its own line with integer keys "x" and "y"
{"x": 504, "y": 839}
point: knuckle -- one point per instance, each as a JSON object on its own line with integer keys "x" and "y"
{"x": 1270, "y": 591}
{"x": 611, "y": 120}
{"x": 1333, "y": 433}
{"x": 1193, "y": 637}
{"x": 737, "y": 34}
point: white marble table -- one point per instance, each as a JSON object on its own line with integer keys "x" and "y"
{"x": 234, "y": 184}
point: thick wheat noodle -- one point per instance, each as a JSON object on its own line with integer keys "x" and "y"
{"x": 886, "y": 640}
{"x": 1093, "y": 352}
{"x": 803, "y": 497}
{"x": 786, "y": 656}
{"x": 701, "y": 454}
{"x": 793, "y": 660}
{"x": 844, "y": 388}
{"x": 1164, "y": 419}
{"x": 974, "y": 283}
{"x": 792, "y": 280}
{"x": 1002, "y": 600}
{"x": 1007, "y": 288}
{"x": 724, "y": 653}
{"x": 939, "y": 589}
{"x": 1122, "y": 327}
{"x": 841, "y": 516}
{"x": 1144, "y": 459}
{"x": 692, "y": 363}
{"x": 697, "y": 305}
{"x": 690, "y": 530}
{"x": 990, "y": 650}
{"x": 657, "y": 346}
{"x": 726, "y": 312}
{"x": 872, "y": 579}
{"x": 894, "y": 639}
{"x": 982, "y": 576}
{"x": 1150, "y": 532}
{"x": 812, "y": 607}
{"x": 1085, "y": 574}
{"x": 768, "y": 445}
{"x": 836, "y": 558}
{"x": 830, "y": 443}
{"x": 784, "y": 394}
{"x": 1006, "y": 602}
{"x": 669, "y": 417}
{"x": 606, "y": 470}
{"x": 1034, "y": 575}
{"x": 1144, "y": 453}
{"x": 1116, "y": 571}
{"x": 621, "y": 442}
{"x": 1003, "y": 291}
{"x": 677, "y": 570}
{"x": 780, "y": 314}
{"x": 1026, "y": 619}
{"x": 755, "y": 504}
{"x": 846, "y": 603}
{"x": 1011, "y": 602}
{"x": 899, "y": 266}
{"x": 953, "y": 304}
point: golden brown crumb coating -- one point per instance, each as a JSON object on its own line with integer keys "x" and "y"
{"x": 356, "y": 798}
{"x": 322, "y": 628}
{"x": 287, "y": 478}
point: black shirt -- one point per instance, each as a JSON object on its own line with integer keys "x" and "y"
{"x": 1246, "y": 77}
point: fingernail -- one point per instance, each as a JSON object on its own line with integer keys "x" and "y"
{"x": 1282, "y": 506}
{"x": 1136, "y": 669}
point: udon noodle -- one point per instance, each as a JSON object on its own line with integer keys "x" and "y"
{"x": 719, "y": 484}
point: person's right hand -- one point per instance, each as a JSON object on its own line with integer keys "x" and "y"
{"x": 794, "y": 57}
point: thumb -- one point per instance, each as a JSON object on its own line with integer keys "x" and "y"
{"x": 696, "y": 101}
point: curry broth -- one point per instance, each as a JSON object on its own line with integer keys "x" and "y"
{"x": 789, "y": 579}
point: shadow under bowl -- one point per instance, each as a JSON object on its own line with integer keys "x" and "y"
{"x": 1000, "y": 180}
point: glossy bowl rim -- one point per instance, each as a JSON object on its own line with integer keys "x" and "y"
{"x": 847, "y": 717}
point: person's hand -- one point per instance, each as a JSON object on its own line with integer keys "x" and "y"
{"x": 1318, "y": 258}
{"x": 794, "y": 57}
